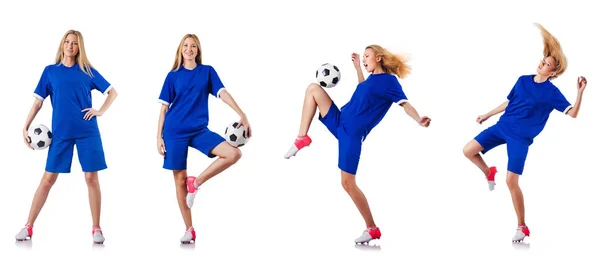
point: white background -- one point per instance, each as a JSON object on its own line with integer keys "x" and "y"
{"x": 272, "y": 214}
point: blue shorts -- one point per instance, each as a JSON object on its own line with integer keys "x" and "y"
{"x": 349, "y": 146}
{"x": 517, "y": 149}
{"x": 89, "y": 151}
{"x": 177, "y": 149}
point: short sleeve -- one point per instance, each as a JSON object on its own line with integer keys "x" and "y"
{"x": 167, "y": 94}
{"x": 215, "y": 84}
{"x": 43, "y": 89}
{"x": 99, "y": 83}
{"x": 394, "y": 92}
{"x": 559, "y": 102}
{"x": 511, "y": 95}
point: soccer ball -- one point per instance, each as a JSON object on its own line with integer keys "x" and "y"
{"x": 328, "y": 75}
{"x": 236, "y": 136}
{"x": 40, "y": 137}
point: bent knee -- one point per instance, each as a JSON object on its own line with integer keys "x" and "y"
{"x": 472, "y": 148}
{"x": 233, "y": 154}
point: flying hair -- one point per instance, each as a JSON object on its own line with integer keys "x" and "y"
{"x": 553, "y": 49}
{"x": 391, "y": 63}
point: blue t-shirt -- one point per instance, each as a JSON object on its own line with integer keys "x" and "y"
{"x": 370, "y": 102}
{"x": 70, "y": 91}
{"x": 530, "y": 104}
{"x": 186, "y": 93}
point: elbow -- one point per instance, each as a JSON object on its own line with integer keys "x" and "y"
{"x": 37, "y": 104}
{"x": 112, "y": 92}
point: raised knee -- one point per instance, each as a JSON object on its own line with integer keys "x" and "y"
{"x": 233, "y": 155}
{"x": 236, "y": 155}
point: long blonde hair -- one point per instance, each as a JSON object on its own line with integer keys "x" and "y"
{"x": 391, "y": 63}
{"x": 179, "y": 56}
{"x": 553, "y": 49}
{"x": 81, "y": 58}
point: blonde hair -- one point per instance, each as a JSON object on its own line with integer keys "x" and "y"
{"x": 553, "y": 49}
{"x": 81, "y": 58}
{"x": 179, "y": 56}
{"x": 391, "y": 63}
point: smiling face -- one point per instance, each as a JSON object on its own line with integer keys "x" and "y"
{"x": 370, "y": 61}
{"x": 189, "y": 49}
{"x": 71, "y": 46}
{"x": 547, "y": 67}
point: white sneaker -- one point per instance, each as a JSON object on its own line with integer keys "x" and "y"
{"x": 25, "y": 233}
{"x": 191, "y": 191}
{"x": 522, "y": 232}
{"x": 369, "y": 234}
{"x": 97, "y": 235}
{"x": 189, "y": 236}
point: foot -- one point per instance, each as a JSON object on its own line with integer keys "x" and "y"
{"x": 491, "y": 178}
{"x": 369, "y": 234}
{"x": 189, "y": 236}
{"x": 25, "y": 233}
{"x": 299, "y": 143}
{"x": 522, "y": 232}
{"x": 97, "y": 235}
{"x": 192, "y": 189}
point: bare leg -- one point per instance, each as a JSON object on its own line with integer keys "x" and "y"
{"x": 228, "y": 156}
{"x": 95, "y": 196}
{"x": 512, "y": 180}
{"x": 41, "y": 194}
{"x": 471, "y": 151}
{"x": 181, "y": 191}
{"x": 315, "y": 97}
{"x": 349, "y": 184}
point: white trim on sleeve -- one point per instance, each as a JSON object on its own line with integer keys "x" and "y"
{"x": 37, "y": 96}
{"x": 567, "y": 109}
{"x": 107, "y": 89}
{"x": 163, "y": 102}
{"x": 401, "y": 101}
{"x": 219, "y": 92}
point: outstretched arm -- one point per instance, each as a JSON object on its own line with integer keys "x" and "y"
{"x": 90, "y": 112}
{"x": 228, "y": 99}
{"x": 574, "y": 111}
{"x": 412, "y": 112}
{"x": 499, "y": 109}
{"x": 35, "y": 108}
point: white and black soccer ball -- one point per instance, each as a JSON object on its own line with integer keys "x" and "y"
{"x": 328, "y": 75}
{"x": 236, "y": 136}
{"x": 40, "y": 137}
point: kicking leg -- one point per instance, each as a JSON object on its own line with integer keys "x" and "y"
{"x": 227, "y": 156}
{"x": 486, "y": 140}
{"x": 315, "y": 97}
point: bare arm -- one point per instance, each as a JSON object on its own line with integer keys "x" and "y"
{"x": 228, "y": 99}
{"x": 112, "y": 95}
{"x": 161, "y": 121}
{"x": 499, "y": 109}
{"x": 35, "y": 108}
{"x": 574, "y": 111}
{"x": 356, "y": 62}
{"x": 581, "y": 84}
{"x": 360, "y": 75}
{"x": 412, "y": 112}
